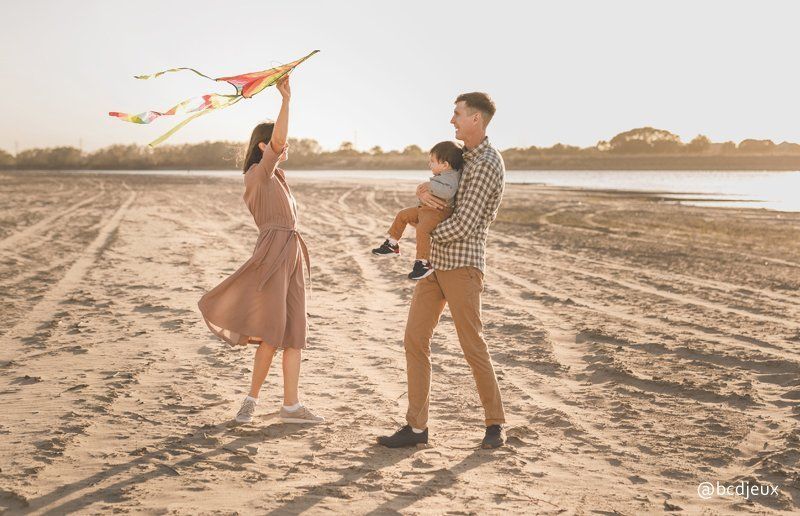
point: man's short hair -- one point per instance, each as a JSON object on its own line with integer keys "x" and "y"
{"x": 481, "y": 102}
{"x": 451, "y": 152}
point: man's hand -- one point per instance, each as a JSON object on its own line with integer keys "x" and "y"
{"x": 422, "y": 187}
{"x": 428, "y": 199}
{"x": 284, "y": 88}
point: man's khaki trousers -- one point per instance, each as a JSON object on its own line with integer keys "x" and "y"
{"x": 461, "y": 289}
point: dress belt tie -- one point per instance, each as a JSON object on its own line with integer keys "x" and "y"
{"x": 264, "y": 231}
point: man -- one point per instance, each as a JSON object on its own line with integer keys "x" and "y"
{"x": 458, "y": 246}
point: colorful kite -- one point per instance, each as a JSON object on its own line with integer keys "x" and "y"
{"x": 246, "y": 85}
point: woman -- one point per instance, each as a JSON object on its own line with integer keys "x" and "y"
{"x": 263, "y": 303}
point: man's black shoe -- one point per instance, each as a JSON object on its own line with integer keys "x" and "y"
{"x": 404, "y": 437}
{"x": 494, "y": 438}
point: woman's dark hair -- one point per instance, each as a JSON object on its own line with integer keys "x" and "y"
{"x": 451, "y": 152}
{"x": 261, "y": 133}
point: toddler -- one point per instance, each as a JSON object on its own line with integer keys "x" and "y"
{"x": 446, "y": 161}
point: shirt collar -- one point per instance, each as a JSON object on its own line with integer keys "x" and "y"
{"x": 471, "y": 154}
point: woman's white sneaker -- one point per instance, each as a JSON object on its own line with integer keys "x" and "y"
{"x": 245, "y": 414}
{"x": 301, "y": 415}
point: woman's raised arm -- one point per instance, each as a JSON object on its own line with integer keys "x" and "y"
{"x": 277, "y": 143}
{"x": 281, "y": 131}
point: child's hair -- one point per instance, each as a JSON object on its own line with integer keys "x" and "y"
{"x": 451, "y": 152}
{"x": 261, "y": 133}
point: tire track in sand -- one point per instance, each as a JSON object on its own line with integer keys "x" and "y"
{"x": 663, "y": 276}
{"x": 670, "y": 241}
{"x": 44, "y": 309}
{"x": 45, "y": 222}
{"x": 668, "y": 327}
{"x": 576, "y": 355}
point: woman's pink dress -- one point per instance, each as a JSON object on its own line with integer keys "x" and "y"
{"x": 265, "y": 298}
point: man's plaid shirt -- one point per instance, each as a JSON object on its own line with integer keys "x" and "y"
{"x": 460, "y": 240}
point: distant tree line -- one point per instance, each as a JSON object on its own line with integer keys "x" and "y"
{"x": 640, "y": 149}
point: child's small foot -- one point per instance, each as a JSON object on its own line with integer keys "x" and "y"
{"x": 387, "y": 248}
{"x": 422, "y": 268}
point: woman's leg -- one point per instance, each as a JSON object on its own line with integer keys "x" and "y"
{"x": 261, "y": 364}
{"x": 291, "y": 376}
{"x": 292, "y": 411}
{"x": 295, "y": 338}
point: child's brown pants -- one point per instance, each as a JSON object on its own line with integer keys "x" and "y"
{"x": 425, "y": 219}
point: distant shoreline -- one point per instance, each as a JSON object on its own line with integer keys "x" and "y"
{"x": 633, "y": 163}
{"x": 644, "y": 148}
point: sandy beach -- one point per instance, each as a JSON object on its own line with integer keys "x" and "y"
{"x": 642, "y": 348}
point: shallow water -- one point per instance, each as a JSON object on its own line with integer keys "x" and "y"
{"x": 769, "y": 190}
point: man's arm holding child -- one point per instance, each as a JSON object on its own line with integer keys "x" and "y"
{"x": 427, "y": 198}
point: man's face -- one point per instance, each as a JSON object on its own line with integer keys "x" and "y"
{"x": 465, "y": 120}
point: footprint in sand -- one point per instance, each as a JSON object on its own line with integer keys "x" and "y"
{"x": 26, "y": 380}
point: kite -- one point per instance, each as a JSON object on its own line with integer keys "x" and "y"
{"x": 247, "y": 85}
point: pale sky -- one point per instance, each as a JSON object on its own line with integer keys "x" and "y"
{"x": 567, "y": 71}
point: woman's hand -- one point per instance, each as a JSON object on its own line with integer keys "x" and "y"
{"x": 284, "y": 88}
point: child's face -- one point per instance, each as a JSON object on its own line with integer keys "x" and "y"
{"x": 436, "y": 166}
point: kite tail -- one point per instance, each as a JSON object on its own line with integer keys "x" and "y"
{"x": 158, "y": 74}
{"x": 234, "y": 99}
{"x": 210, "y": 101}
{"x": 141, "y": 118}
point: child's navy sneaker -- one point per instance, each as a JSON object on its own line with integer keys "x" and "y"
{"x": 422, "y": 269}
{"x": 387, "y": 249}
